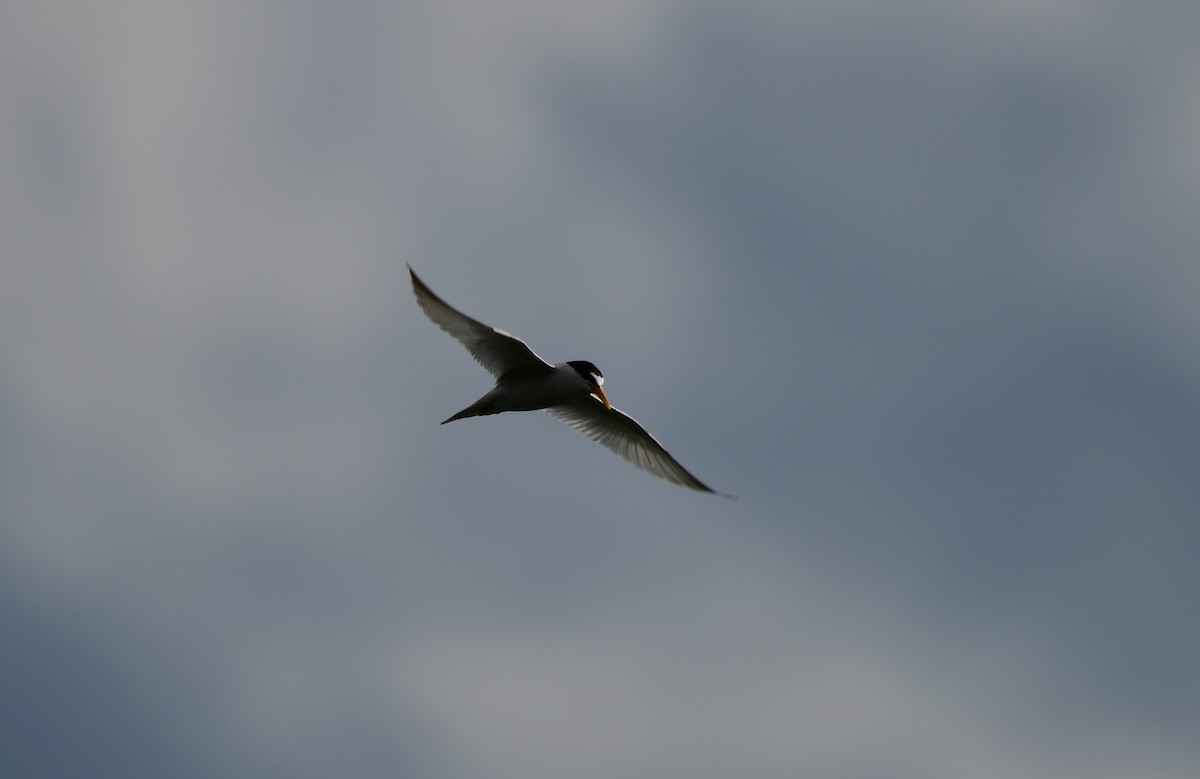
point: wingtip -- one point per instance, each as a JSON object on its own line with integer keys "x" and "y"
{"x": 419, "y": 286}
{"x": 705, "y": 488}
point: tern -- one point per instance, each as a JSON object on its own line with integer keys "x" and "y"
{"x": 571, "y": 392}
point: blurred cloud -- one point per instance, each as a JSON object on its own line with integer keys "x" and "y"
{"x": 916, "y": 282}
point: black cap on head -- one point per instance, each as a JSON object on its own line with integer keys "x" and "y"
{"x": 590, "y": 373}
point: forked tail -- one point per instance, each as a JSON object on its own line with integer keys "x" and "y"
{"x": 479, "y": 408}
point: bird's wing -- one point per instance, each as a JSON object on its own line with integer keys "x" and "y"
{"x": 495, "y": 349}
{"x": 622, "y": 433}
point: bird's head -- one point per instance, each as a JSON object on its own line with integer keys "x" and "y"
{"x": 592, "y": 377}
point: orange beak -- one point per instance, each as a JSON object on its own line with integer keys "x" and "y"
{"x": 598, "y": 391}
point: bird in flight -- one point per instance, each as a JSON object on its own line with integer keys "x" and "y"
{"x": 571, "y": 392}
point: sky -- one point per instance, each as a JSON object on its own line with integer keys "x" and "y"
{"x": 916, "y": 281}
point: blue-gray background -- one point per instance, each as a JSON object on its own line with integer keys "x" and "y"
{"x": 917, "y": 281}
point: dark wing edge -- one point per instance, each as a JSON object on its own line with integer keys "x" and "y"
{"x": 622, "y": 434}
{"x": 497, "y": 351}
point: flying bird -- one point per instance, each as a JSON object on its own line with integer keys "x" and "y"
{"x": 571, "y": 392}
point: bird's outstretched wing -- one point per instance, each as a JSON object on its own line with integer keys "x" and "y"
{"x": 494, "y": 349}
{"x": 622, "y": 433}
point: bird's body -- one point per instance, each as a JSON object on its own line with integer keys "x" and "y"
{"x": 569, "y": 391}
{"x": 531, "y": 389}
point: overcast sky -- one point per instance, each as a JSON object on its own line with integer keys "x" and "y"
{"x": 916, "y": 281}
